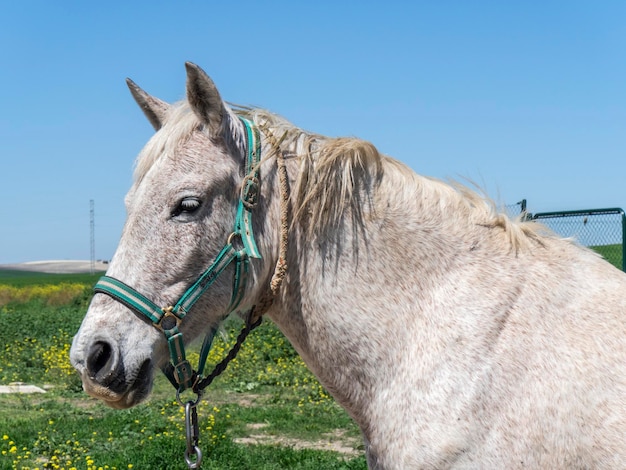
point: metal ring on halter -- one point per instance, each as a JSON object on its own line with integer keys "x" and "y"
{"x": 236, "y": 241}
{"x": 170, "y": 319}
{"x": 229, "y": 240}
{"x": 193, "y": 402}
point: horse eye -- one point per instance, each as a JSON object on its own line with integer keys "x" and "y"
{"x": 188, "y": 205}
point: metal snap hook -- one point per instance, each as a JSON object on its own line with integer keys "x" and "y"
{"x": 192, "y": 430}
{"x": 189, "y": 459}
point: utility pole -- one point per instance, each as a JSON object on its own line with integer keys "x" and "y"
{"x": 92, "y": 238}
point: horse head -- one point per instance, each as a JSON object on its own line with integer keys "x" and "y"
{"x": 180, "y": 213}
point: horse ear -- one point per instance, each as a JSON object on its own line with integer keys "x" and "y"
{"x": 204, "y": 99}
{"x": 154, "y": 109}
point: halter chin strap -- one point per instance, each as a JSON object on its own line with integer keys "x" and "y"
{"x": 239, "y": 248}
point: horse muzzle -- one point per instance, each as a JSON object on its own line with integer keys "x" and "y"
{"x": 105, "y": 376}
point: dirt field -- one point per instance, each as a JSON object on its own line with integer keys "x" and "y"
{"x": 57, "y": 266}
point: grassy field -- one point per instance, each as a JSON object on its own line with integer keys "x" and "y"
{"x": 266, "y": 412}
{"x": 27, "y": 278}
{"x": 612, "y": 253}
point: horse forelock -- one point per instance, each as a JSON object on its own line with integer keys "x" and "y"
{"x": 180, "y": 124}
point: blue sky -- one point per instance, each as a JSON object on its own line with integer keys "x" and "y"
{"x": 527, "y": 99}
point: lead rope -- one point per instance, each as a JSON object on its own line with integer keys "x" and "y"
{"x": 193, "y": 454}
{"x": 199, "y": 387}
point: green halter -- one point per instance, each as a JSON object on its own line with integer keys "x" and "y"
{"x": 239, "y": 248}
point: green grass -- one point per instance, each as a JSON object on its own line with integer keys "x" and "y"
{"x": 267, "y": 395}
{"x": 612, "y": 253}
{"x": 26, "y": 278}
{"x": 74, "y": 432}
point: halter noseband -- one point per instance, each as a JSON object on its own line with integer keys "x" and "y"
{"x": 239, "y": 247}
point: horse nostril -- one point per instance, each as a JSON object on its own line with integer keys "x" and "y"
{"x": 105, "y": 368}
{"x": 100, "y": 361}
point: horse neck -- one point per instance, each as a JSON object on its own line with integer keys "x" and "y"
{"x": 332, "y": 307}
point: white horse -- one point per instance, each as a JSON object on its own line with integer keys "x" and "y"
{"x": 455, "y": 337}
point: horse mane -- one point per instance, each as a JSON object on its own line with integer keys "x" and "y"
{"x": 522, "y": 234}
{"x": 340, "y": 176}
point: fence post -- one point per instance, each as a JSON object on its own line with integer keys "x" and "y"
{"x": 522, "y": 203}
{"x": 623, "y": 241}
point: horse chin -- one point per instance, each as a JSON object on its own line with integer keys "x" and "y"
{"x": 138, "y": 390}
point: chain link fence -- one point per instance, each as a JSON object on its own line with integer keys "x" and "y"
{"x": 603, "y": 230}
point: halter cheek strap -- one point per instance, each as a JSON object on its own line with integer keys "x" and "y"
{"x": 239, "y": 248}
